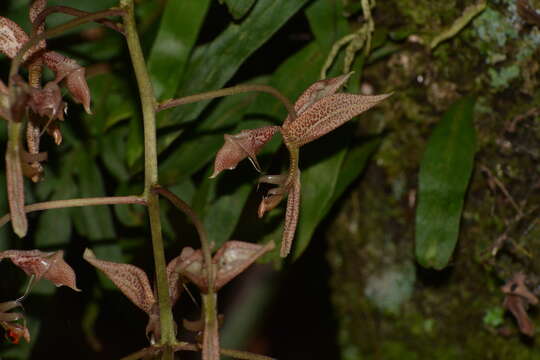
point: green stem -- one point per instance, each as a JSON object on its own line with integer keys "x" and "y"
{"x": 60, "y": 204}
{"x": 210, "y": 350}
{"x": 233, "y": 90}
{"x": 148, "y": 103}
{"x": 186, "y": 209}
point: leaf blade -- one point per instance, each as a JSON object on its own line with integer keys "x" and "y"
{"x": 444, "y": 176}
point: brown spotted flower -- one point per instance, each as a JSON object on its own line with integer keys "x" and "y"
{"x": 233, "y": 258}
{"x": 47, "y": 265}
{"x": 319, "y": 110}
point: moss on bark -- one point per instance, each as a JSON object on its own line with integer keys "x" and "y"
{"x": 390, "y": 308}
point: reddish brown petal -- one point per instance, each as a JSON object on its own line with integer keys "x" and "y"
{"x": 516, "y": 286}
{"x": 12, "y": 37}
{"x": 131, "y": 280}
{"x": 234, "y": 257}
{"x": 60, "y": 273}
{"x": 326, "y": 115}
{"x": 237, "y": 147}
{"x": 317, "y": 91}
{"x": 268, "y": 203}
{"x": 15, "y": 191}
{"x": 291, "y": 217}
{"x": 173, "y": 279}
{"x": 35, "y": 9}
{"x": 47, "y": 102}
{"x": 74, "y": 75}
{"x": 517, "y": 306}
{"x": 190, "y": 265}
{"x": 47, "y": 265}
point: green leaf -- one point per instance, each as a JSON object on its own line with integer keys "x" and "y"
{"x": 327, "y": 22}
{"x": 54, "y": 226}
{"x": 135, "y": 146}
{"x": 130, "y": 215}
{"x": 353, "y": 165}
{"x": 110, "y": 102}
{"x": 222, "y": 216}
{"x": 239, "y": 8}
{"x": 214, "y": 64}
{"x": 176, "y": 36}
{"x": 444, "y": 175}
{"x": 94, "y": 222}
{"x": 318, "y": 185}
{"x": 112, "y": 151}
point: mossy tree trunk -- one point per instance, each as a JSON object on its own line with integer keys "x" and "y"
{"x": 388, "y": 306}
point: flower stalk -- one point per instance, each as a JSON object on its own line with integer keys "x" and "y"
{"x": 148, "y": 103}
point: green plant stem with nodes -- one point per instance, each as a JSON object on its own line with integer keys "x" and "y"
{"x": 61, "y": 204}
{"x": 233, "y": 90}
{"x": 148, "y": 103}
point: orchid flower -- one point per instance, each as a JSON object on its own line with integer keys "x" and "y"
{"x": 47, "y": 265}
{"x": 45, "y": 102}
{"x": 319, "y": 110}
{"x": 37, "y": 264}
{"x": 233, "y": 258}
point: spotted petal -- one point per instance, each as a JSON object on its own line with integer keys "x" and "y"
{"x": 131, "y": 280}
{"x": 245, "y": 144}
{"x": 47, "y": 265}
{"x": 326, "y": 115}
{"x": 317, "y": 91}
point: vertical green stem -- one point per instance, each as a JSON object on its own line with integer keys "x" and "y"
{"x": 210, "y": 350}
{"x": 148, "y": 103}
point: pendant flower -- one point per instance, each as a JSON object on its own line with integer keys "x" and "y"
{"x": 319, "y": 110}
{"x": 47, "y": 265}
{"x": 230, "y": 260}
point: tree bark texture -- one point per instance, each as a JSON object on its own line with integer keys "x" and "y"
{"x": 388, "y": 306}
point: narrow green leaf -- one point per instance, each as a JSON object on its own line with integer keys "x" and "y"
{"x": 134, "y": 149}
{"x": 327, "y": 22}
{"x": 222, "y": 216}
{"x": 176, "y": 36}
{"x": 444, "y": 175}
{"x": 353, "y": 165}
{"x": 54, "y": 226}
{"x": 95, "y": 222}
{"x": 113, "y": 150}
{"x": 130, "y": 215}
{"x": 318, "y": 185}
{"x": 110, "y": 103}
{"x": 239, "y": 8}
{"x": 214, "y": 64}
